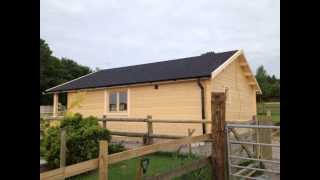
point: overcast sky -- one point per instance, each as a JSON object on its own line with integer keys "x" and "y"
{"x": 114, "y": 33}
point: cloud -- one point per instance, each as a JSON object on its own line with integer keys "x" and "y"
{"x": 114, "y": 33}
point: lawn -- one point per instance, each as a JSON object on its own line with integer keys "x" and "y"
{"x": 274, "y": 107}
{"x": 159, "y": 162}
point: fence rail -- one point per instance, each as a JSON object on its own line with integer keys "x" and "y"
{"x": 93, "y": 164}
{"x": 149, "y": 135}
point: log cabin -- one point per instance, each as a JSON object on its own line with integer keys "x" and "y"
{"x": 177, "y": 89}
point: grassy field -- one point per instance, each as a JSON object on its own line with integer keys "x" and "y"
{"x": 159, "y": 162}
{"x": 274, "y": 107}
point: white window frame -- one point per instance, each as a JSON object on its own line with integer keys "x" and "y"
{"x": 117, "y": 112}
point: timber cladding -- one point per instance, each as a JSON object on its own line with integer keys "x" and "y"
{"x": 180, "y": 100}
{"x": 241, "y": 97}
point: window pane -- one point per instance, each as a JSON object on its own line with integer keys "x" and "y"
{"x": 123, "y": 101}
{"x": 113, "y": 102}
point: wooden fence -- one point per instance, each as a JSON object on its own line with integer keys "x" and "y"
{"x": 217, "y": 158}
{"x": 149, "y": 135}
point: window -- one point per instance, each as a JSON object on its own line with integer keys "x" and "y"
{"x": 112, "y": 102}
{"x": 123, "y": 101}
{"x": 118, "y": 101}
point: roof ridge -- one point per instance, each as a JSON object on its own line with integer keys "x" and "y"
{"x": 179, "y": 59}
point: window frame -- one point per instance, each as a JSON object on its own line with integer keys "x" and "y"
{"x": 126, "y": 94}
{"x": 107, "y": 102}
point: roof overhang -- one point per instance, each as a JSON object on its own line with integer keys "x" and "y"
{"x": 133, "y": 84}
{"x": 245, "y": 67}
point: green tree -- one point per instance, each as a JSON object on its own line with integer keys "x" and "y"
{"x": 269, "y": 85}
{"x": 54, "y": 71}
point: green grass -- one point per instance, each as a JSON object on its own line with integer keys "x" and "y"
{"x": 159, "y": 162}
{"x": 274, "y": 107}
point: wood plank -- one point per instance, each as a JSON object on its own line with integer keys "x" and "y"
{"x": 125, "y": 119}
{"x": 82, "y": 167}
{"x": 117, "y": 157}
{"x": 164, "y": 136}
{"x": 155, "y": 120}
{"x": 55, "y": 174}
{"x": 184, "y": 169}
{"x": 180, "y": 121}
{"x": 136, "y": 134}
{"x": 71, "y": 170}
{"x": 103, "y": 160}
{"x": 129, "y": 134}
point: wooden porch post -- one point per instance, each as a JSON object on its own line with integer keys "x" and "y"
{"x": 55, "y": 104}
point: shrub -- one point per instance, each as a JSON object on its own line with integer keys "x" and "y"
{"x": 44, "y": 125}
{"x": 114, "y": 148}
{"x": 82, "y": 140}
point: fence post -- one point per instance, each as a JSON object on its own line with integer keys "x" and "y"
{"x": 103, "y": 160}
{"x": 265, "y": 136}
{"x": 218, "y": 109}
{"x": 254, "y": 136}
{"x": 139, "y": 171}
{"x": 104, "y": 121}
{"x": 190, "y": 132}
{"x": 150, "y": 130}
{"x": 62, "y": 148}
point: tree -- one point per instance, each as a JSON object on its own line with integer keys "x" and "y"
{"x": 269, "y": 85}
{"x": 55, "y": 71}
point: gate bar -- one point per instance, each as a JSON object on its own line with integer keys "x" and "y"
{"x": 247, "y": 177}
{"x": 258, "y": 169}
{"x": 252, "y": 143}
{"x": 262, "y": 160}
{"x": 252, "y": 126}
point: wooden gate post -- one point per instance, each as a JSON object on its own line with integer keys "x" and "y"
{"x": 218, "y": 111}
{"x": 150, "y": 130}
{"x": 103, "y": 160}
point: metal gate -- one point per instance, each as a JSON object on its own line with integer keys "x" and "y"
{"x": 255, "y": 155}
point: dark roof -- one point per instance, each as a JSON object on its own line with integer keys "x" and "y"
{"x": 185, "y": 68}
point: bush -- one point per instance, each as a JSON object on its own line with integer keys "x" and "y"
{"x": 82, "y": 137}
{"x": 44, "y": 125}
{"x": 114, "y": 148}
